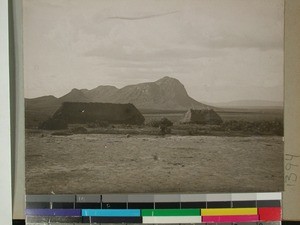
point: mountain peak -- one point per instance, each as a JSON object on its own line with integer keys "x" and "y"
{"x": 166, "y": 93}
{"x": 102, "y": 93}
{"x": 75, "y": 95}
{"x": 75, "y": 90}
{"x": 167, "y": 79}
{"x": 105, "y": 87}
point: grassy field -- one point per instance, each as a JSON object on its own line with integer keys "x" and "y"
{"x": 110, "y": 163}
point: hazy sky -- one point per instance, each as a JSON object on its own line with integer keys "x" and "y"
{"x": 221, "y": 50}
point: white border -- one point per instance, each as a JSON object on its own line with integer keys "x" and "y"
{"x": 5, "y": 151}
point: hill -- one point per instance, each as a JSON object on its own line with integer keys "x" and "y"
{"x": 164, "y": 94}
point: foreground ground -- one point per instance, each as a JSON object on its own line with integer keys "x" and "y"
{"x": 110, "y": 163}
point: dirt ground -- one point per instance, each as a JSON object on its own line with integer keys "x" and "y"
{"x": 110, "y": 163}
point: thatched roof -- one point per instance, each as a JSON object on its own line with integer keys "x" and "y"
{"x": 205, "y": 116}
{"x": 82, "y": 112}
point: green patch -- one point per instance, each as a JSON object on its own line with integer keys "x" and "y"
{"x": 170, "y": 212}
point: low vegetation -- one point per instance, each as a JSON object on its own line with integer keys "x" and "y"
{"x": 98, "y": 124}
{"x": 162, "y": 122}
{"x": 79, "y": 130}
{"x": 165, "y": 126}
{"x": 263, "y": 127}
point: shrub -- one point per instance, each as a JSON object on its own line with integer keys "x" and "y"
{"x": 103, "y": 123}
{"x": 166, "y": 122}
{"x": 98, "y": 124}
{"x": 154, "y": 123}
{"x": 62, "y": 133}
{"x": 162, "y": 122}
{"x": 79, "y": 130}
{"x": 164, "y": 129}
{"x": 92, "y": 125}
{"x": 193, "y": 131}
{"x": 274, "y": 127}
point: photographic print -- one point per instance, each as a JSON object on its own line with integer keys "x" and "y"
{"x": 172, "y": 96}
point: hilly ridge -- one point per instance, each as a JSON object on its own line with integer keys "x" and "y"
{"x": 164, "y": 94}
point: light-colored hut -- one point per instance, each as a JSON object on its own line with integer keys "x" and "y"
{"x": 204, "y": 116}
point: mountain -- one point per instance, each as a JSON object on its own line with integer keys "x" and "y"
{"x": 74, "y": 96}
{"x": 101, "y": 93}
{"x": 164, "y": 94}
{"x": 39, "y": 109}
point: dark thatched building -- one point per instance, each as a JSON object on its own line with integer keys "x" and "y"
{"x": 82, "y": 113}
{"x": 204, "y": 116}
{"x": 53, "y": 124}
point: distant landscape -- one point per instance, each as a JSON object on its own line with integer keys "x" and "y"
{"x": 233, "y": 139}
{"x": 166, "y": 97}
{"x": 166, "y": 94}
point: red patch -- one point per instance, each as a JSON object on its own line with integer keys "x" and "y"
{"x": 269, "y": 214}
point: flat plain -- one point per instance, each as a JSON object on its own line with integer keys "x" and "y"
{"x": 116, "y": 163}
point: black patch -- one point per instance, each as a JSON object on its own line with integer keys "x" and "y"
{"x": 218, "y": 205}
{"x": 140, "y": 205}
{"x": 268, "y": 203}
{"x": 85, "y": 205}
{"x": 167, "y": 205}
{"x": 114, "y": 205}
{"x": 192, "y": 205}
{"x": 244, "y": 204}
{"x": 18, "y": 222}
{"x": 62, "y": 205}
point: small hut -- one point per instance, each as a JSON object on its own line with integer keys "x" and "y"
{"x": 82, "y": 113}
{"x": 204, "y": 116}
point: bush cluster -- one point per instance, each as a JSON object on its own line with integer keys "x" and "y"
{"x": 256, "y": 127}
{"x": 79, "y": 130}
{"x": 98, "y": 124}
{"x": 162, "y": 122}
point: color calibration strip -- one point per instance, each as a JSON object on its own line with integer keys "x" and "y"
{"x": 155, "y": 209}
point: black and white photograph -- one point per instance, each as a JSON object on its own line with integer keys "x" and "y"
{"x": 153, "y": 96}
